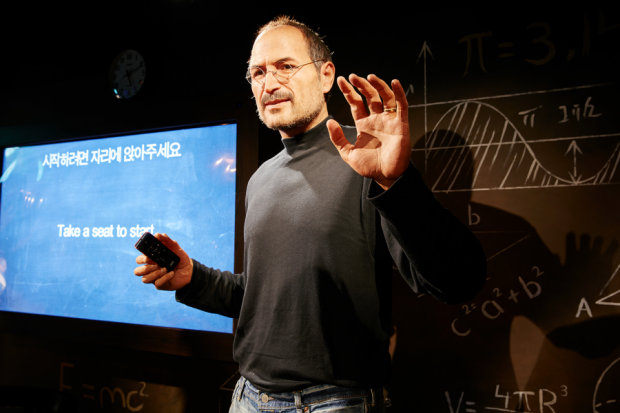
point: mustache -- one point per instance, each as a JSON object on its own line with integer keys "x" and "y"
{"x": 277, "y": 95}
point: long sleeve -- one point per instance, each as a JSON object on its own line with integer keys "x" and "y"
{"x": 433, "y": 250}
{"x": 315, "y": 287}
{"x": 214, "y": 291}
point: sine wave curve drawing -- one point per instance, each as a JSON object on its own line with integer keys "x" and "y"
{"x": 492, "y": 146}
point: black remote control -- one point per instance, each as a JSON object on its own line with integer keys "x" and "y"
{"x": 158, "y": 252}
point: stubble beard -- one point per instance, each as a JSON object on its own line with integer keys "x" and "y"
{"x": 300, "y": 113}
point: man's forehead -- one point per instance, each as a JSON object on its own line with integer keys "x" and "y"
{"x": 277, "y": 44}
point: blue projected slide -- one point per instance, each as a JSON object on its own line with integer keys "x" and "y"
{"x": 72, "y": 212}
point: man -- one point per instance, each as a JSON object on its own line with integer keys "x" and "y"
{"x": 324, "y": 219}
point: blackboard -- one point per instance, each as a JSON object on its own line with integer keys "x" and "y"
{"x": 514, "y": 118}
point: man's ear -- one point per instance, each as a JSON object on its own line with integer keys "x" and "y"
{"x": 328, "y": 74}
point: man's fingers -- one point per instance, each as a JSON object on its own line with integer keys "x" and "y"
{"x": 146, "y": 269}
{"x": 358, "y": 110}
{"x": 401, "y": 101}
{"x": 340, "y": 141}
{"x": 168, "y": 242}
{"x": 152, "y": 276}
{"x": 389, "y": 101}
{"x": 143, "y": 259}
{"x": 370, "y": 93}
{"x": 165, "y": 239}
{"x": 161, "y": 283}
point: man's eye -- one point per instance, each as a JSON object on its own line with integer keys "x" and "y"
{"x": 287, "y": 67}
{"x": 257, "y": 72}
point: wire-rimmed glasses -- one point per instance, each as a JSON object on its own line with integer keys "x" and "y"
{"x": 282, "y": 75}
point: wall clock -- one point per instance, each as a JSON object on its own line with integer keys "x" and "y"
{"x": 127, "y": 74}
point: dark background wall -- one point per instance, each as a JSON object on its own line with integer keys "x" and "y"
{"x": 513, "y": 112}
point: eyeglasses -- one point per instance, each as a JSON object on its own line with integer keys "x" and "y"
{"x": 282, "y": 75}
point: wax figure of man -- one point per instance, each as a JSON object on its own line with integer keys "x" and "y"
{"x": 325, "y": 219}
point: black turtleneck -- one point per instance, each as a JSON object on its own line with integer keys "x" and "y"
{"x": 313, "y": 300}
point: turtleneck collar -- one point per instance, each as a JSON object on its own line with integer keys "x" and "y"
{"x": 308, "y": 139}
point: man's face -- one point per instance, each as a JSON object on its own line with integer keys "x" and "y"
{"x": 300, "y": 100}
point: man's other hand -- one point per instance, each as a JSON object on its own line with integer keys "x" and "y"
{"x": 383, "y": 148}
{"x": 152, "y": 273}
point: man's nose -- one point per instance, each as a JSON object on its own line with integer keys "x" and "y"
{"x": 271, "y": 83}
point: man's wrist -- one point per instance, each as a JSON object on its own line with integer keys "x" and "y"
{"x": 385, "y": 183}
{"x": 182, "y": 292}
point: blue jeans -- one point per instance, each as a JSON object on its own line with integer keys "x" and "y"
{"x": 324, "y": 398}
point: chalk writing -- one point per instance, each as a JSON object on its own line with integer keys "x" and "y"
{"x": 474, "y": 219}
{"x": 529, "y": 114}
{"x": 513, "y": 296}
{"x": 606, "y": 386}
{"x": 518, "y": 401}
{"x": 544, "y": 39}
{"x": 604, "y": 300}
{"x": 470, "y": 405}
{"x": 106, "y": 394}
{"x": 583, "y": 306}
{"x": 540, "y": 50}
{"x": 492, "y": 309}
{"x": 468, "y": 40}
{"x": 588, "y": 111}
{"x": 125, "y": 400}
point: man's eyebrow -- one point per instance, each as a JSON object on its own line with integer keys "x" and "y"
{"x": 282, "y": 60}
{"x": 286, "y": 59}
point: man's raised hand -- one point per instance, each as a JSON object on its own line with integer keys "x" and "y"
{"x": 152, "y": 273}
{"x": 383, "y": 147}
